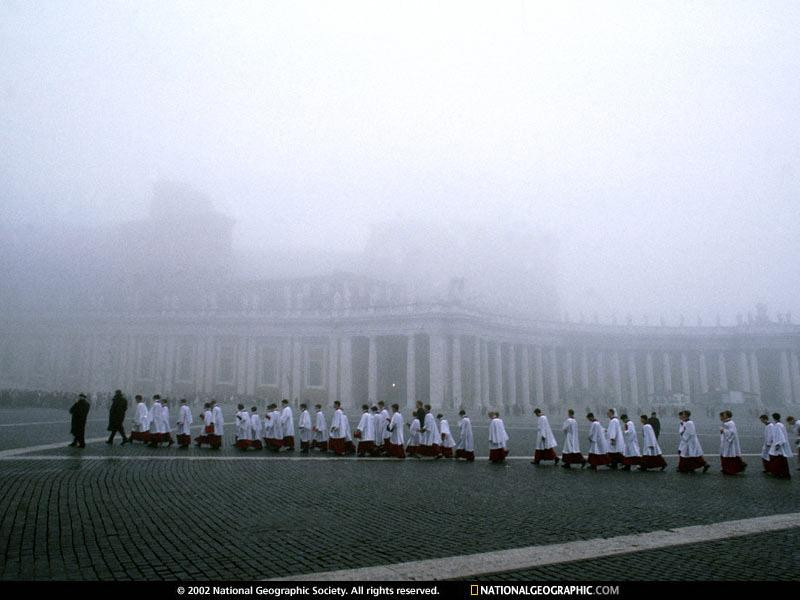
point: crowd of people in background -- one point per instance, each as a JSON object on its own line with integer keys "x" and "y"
{"x": 383, "y": 431}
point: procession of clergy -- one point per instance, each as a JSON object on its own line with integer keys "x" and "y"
{"x": 381, "y": 433}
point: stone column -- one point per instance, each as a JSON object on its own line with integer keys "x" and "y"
{"x": 210, "y": 363}
{"x": 703, "y": 373}
{"x": 723, "y": 373}
{"x": 685, "y": 384}
{"x": 372, "y": 374}
{"x": 457, "y": 392}
{"x": 411, "y": 371}
{"x": 633, "y": 379}
{"x": 554, "y": 376}
{"x": 744, "y": 372}
{"x": 786, "y": 383}
{"x": 795, "y": 369}
{"x": 297, "y": 370}
{"x": 477, "y": 389}
{"x": 241, "y": 365}
{"x": 437, "y": 366}
{"x": 159, "y": 369}
{"x": 497, "y": 400}
{"x": 569, "y": 380}
{"x": 538, "y": 375}
{"x": 526, "y": 377}
{"x": 485, "y": 381}
{"x": 346, "y": 372}
{"x": 252, "y": 357}
{"x": 600, "y": 373}
{"x": 512, "y": 375}
{"x": 170, "y": 350}
{"x": 755, "y": 379}
{"x": 617, "y": 377}
{"x": 130, "y": 363}
{"x": 648, "y": 373}
{"x": 286, "y": 368}
{"x": 584, "y": 370}
{"x": 333, "y": 369}
{"x": 667, "y": 373}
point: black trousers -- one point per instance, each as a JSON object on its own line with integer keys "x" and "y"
{"x": 114, "y": 432}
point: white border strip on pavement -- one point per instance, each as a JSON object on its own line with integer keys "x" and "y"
{"x": 516, "y": 559}
{"x": 23, "y": 454}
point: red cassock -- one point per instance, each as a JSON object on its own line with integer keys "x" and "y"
{"x": 468, "y": 456}
{"x": 731, "y": 465}
{"x": 686, "y": 464}
{"x": 653, "y": 462}
{"x": 549, "y": 454}
{"x": 779, "y": 467}
{"x": 497, "y": 455}
{"x": 573, "y": 458}
{"x": 396, "y": 450}
{"x": 598, "y": 460}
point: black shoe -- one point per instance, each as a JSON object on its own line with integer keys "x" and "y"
{"x": 583, "y": 464}
{"x": 110, "y": 441}
{"x": 706, "y": 467}
{"x": 81, "y": 445}
{"x": 557, "y": 459}
{"x": 73, "y": 444}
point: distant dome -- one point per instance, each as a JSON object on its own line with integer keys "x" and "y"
{"x": 174, "y": 200}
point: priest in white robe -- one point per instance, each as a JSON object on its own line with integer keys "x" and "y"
{"x": 730, "y": 451}
{"x": 689, "y": 449}
{"x": 256, "y": 429}
{"x": 219, "y": 426}
{"x": 616, "y": 440}
{"x": 304, "y": 429}
{"x": 598, "y": 444}
{"x": 413, "y": 437}
{"x": 287, "y": 425}
{"x": 765, "y": 446}
{"x": 274, "y": 433}
{"x": 448, "y": 443}
{"x": 207, "y": 418}
{"x": 338, "y": 430}
{"x": 466, "y": 441}
{"x": 379, "y": 426}
{"x": 498, "y": 439}
{"x": 154, "y": 419}
{"x": 395, "y": 429}
{"x": 651, "y": 451}
{"x": 632, "y": 454}
{"x": 545, "y": 448}
{"x": 383, "y": 434}
{"x": 349, "y": 445}
{"x": 141, "y": 426}
{"x": 571, "y": 451}
{"x": 242, "y": 428}
{"x": 365, "y": 432}
{"x": 430, "y": 442}
{"x": 780, "y": 450}
{"x": 184, "y": 433}
{"x": 320, "y": 430}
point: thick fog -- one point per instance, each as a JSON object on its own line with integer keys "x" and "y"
{"x": 605, "y": 158}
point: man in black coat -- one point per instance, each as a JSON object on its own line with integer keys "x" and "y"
{"x": 116, "y": 417}
{"x": 79, "y": 412}
{"x": 654, "y": 423}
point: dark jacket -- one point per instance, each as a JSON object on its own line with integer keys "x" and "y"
{"x": 655, "y": 424}
{"x": 420, "y": 414}
{"x": 116, "y": 414}
{"x": 79, "y": 412}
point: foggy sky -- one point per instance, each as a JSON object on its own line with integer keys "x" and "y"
{"x": 658, "y": 142}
